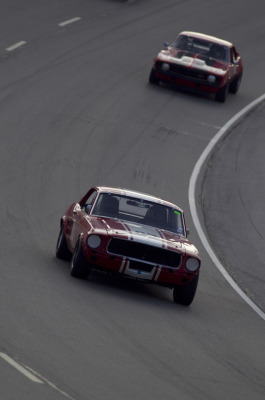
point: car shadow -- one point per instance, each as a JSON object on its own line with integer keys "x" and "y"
{"x": 124, "y": 287}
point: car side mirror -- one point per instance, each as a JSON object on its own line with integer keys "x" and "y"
{"x": 77, "y": 208}
{"x": 88, "y": 208}
{"x": 188, "y": 232}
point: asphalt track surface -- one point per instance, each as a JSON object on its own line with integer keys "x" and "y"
{"x": 232, "y": 202}
{"x": 77, "y": 110}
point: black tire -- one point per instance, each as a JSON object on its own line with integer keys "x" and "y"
{"x": 222, "y": 94}
{"x": 62, "y": 250}
{"x": 79, "y": 265}
{"x": 153, "y": 78}
{"x": 234, "y": 86}
{"x": 184, "y": 294}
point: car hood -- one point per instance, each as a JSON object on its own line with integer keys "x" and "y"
{"x": 144, "y": 234}
{"x": 182, "y": 58}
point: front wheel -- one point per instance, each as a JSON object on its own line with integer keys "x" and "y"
{"x": 222, "y": 94}
{"x": 79, "y": 265}
{"x": 62, "y": 250}
{"x": 153, "y": 78}
{"x": 184, "y": 294}
{"x": 234, "y": 86}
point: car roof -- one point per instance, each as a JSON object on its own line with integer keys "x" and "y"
{"x": 134, "y": 193}
{"x": 207, "y": 37}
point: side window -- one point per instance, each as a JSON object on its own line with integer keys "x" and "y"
{"x": 90, "y": 201}
{"x": 91, "y": 197}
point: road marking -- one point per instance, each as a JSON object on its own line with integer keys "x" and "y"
{"x": 16, "y": 45}
{"x": 192, "y": 185}
{"x": 33, "y": 375}
{"x": 22, "y": 42}
{"x": 69, "y": 21}
{"x": 53, "y": 386}
{"x": 21, "y": 369}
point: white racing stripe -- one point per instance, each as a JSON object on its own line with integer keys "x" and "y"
{"x": 123, "y": 266}
{"x": 157, "y": 273}
{"x": 146, "y": 235}
{"x": 192, "y": 185}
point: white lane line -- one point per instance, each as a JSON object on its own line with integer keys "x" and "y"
{"x": 192, "y": 185}
{"x": 21, "y": 369}
{"x": 69, "y": 21}
{"x": 16, "y": 45}
{"x": 33, "y": 375}
{"x": 23, "y": 42}
{"x": 57, "y": 389}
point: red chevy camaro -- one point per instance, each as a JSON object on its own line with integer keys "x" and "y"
{"x": 131, "y": 234}
{"x": 201, "y": 63}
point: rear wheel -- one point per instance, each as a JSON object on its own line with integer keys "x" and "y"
{"x": 62, "y": 250}
{"x": 184, "y": 294}
{"x": 153, "y": 78}
{"x": 79, "y": 265}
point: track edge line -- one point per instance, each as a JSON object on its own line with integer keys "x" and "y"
{"x": 191, "y": 195}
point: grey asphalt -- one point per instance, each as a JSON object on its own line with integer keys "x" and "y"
{"x": 76, "y": 110}
{"x": 233, "y": 204}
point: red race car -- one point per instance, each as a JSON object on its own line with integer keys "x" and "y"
{"x": 131, "y": 234}
{"x": 201, "y": 63}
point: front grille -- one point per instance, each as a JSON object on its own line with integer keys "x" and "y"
{"x": 179, "y": 71}
{"x": 145, "y": 253}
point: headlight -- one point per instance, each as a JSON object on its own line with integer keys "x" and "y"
{"x": 94, "y": 241}
{"x": 165, "y": 66}
{"x": 211, "y": 78}
{"x": 192, "y": 264}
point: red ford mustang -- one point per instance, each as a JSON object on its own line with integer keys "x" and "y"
{"x": 132, "y": 234}
{"x": 199, "y": 62}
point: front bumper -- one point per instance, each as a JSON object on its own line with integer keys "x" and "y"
{"x": 188, "y": 77}
{"x": 133, "y": 268}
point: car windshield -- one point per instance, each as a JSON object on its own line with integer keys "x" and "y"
{"x": 141, "y": 211}
{"x": 204, "y": 48}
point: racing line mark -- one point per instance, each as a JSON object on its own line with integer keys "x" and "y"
{"x": 33, "y": 375}
{"x": 191, "y": 194}
{"x": 16, "y": 45}
{"x": 23, "y": 42}
{"x": 21, "y": 369}
{"x": 69, "y": 21}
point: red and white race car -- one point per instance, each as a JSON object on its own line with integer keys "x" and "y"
{"x": 201, "y": 63}
{"x": 131, "y": 234}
